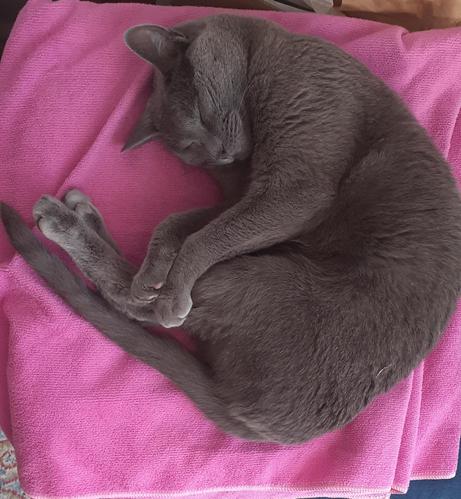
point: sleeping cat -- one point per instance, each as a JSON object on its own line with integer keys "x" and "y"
{"x": 330, "y": 269}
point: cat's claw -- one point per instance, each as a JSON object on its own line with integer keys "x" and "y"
{"x": 171, "y": 310}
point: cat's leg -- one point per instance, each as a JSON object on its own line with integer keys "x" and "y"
{"x": 163, "y": 248}
{"x": 169, "y": 236}
{"x": 94, "y": 256}
{"x": 164, "y": 244}
{"x": 260, "y": 220}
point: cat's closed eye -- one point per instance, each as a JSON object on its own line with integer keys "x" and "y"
{"x": 202, "y": 115}
{"x": 185, "y": 146}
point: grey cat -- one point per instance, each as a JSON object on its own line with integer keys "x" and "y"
{"x": 331, "y": 268}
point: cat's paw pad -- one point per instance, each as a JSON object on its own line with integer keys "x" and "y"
{"x": 53, "y": 218}
{"x": 171, "y": 310}
{"x": 75, "y": 197}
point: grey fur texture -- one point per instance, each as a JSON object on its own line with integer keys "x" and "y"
{"x": 327, "y": 274}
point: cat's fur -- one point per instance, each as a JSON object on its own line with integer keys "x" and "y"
{"x": 333, "y": 267}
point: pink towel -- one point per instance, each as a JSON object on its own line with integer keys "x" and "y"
{"x": 86, "y": 419}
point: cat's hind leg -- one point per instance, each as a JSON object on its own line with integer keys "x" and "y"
{"x": 98, "y": 259}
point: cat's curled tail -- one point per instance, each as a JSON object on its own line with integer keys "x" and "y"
{"x": 160, "y": 352}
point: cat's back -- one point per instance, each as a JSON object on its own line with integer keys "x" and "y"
{"x": 305, "y": 94}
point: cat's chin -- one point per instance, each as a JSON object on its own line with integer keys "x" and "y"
{"x": 217, "y": 166}
{"x": 210, "y": 165}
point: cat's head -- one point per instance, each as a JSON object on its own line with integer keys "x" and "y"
{"x": 197, "y": 107}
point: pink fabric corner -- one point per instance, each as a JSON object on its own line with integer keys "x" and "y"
{"x": 87, "y": 420}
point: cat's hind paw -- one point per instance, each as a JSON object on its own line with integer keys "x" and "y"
{"x": 75, "y": 197}
{"x": 54, "y": 219}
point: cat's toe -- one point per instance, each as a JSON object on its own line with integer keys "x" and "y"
{"x": 142, "y": 289}
{"x": 86, "y": 210}
{"x": 172, "y": 310}
{"x": 151, "y": 278}
{"x": 46, "y": 206}
{"x": 53, "y": 218}
{"x": 75, "y": 197}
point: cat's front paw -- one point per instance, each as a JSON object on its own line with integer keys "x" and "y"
{"x": 152, "y": 276}
{"x": 172, "y": 309}
{"x": 144, "y": 288}
{"x": 54, "y": 219}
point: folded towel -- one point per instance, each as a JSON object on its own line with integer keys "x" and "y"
{"x": 86, "y": 419}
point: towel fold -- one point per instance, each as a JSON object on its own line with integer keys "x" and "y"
{"x": 86, "y": 419}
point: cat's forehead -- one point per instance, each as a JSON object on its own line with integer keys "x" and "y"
{"x": 209, "y": 46}
{"x": 217, "y": 54}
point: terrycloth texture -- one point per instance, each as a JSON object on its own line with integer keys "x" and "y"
{"x": 85, "y": 418}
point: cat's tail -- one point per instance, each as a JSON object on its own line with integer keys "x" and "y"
{"x": 160, "y": 352}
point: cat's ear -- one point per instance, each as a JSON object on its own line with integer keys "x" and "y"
{"x": 157, "y": 45}
{"x": 144, "y": 130}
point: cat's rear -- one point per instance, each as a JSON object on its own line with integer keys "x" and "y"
{"x": 305, "y": 334}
